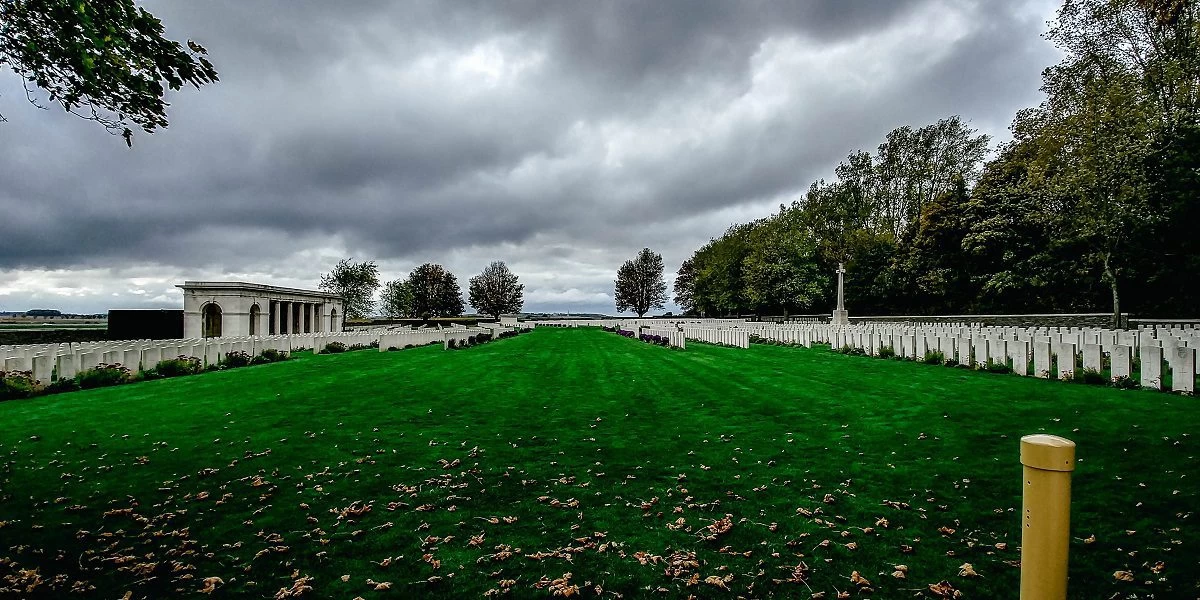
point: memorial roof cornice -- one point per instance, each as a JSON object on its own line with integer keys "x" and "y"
{"x": 261, "y": 288}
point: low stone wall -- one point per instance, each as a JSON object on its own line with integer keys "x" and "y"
{"x": 1035, "y": 320}
{"x": 14, "y": 337}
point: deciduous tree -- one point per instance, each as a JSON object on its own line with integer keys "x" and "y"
{"x": 640, "y": 285}
{"x": 396, "y": 300}
{"x": 435, "y": 292}
{"x": 356, "y": 284}
{"x": 496, "y": 291}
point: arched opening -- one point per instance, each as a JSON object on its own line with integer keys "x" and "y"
{"x": 254, "y": 316}
{"x": 333, "y": 320}
{"x": 212, "y": 320}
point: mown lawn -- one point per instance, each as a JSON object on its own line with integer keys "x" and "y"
{"x": 569, "y": 458}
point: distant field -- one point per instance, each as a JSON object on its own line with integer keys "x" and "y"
{"x": 569, "y": 458}
{"x": 50, "y": 326}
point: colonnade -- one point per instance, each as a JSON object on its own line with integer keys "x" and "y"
{"x": 287, "y": 317}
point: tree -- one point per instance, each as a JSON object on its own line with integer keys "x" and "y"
{"x": 1130, "y": 75}
{"x": 356, "y": 284}
{"x": 781, "y": 271}
{"x": 496, "y": 291}
{"x": 435, "y": 292}
{"x": 106, "y": 57}
{"x": 720, "y": 288}
{"x": 640, "y": 285}
{"x": 685, "y": 286}
{"x": 396, "y": 299}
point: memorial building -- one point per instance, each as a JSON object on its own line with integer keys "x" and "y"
{"x": 234, "y": 308}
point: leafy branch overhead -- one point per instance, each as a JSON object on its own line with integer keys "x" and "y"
{"x": 103, "y": 60}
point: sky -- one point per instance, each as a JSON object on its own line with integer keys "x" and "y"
{"x": 559, "y": 137}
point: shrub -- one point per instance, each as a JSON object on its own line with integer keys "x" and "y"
{"x": 470, "y": 340}
{"x": 174, "y": 367}
{"x": 17, "y": 384}
{"x": 1090, "y": 377}
{"x": 103, "y": 376}
{"x": 269, "y": 355}
{"x": 950, "y": 362}
{"x": 998, "y": 367}
{"x": 934, "y": 357}
{"x": 63, "y": 385}
{"x": 236, "y": 358}
{"x": 886, "y": 352}
{"x": 452, "y": 343}
{"x": 353, "y": 347}
{"x": 407, "y": 346}
{"x": 1126, "y": 383}
{"x": 334, "y": 348}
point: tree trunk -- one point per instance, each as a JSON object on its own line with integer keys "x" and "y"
{"x": 1116, "y": 293}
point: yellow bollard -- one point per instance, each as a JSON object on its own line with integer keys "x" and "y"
{"x": 1046, "y": 507}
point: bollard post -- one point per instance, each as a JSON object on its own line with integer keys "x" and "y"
{"x": 1047, "y": 462}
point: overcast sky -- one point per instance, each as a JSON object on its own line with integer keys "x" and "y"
{"x": 560, "y": 137}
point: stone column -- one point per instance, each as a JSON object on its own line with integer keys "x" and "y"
{"x": 287, "y": 317}
{"x": 840, "y": 315}
{"x": 318, "y": 315}
{"x": 273, "y": 315}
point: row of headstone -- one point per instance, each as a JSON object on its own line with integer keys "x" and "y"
{"x": 420, "y": 337}
{"x": 458, "y": 335}
{"x": 1039, "y": 352}
{"x": 736, "y": 338}
{"x": 348, "y": 338}
{"x": 49, "y": 362}
{"x": 674, "y": 337}
{"x": 632, "y": 324}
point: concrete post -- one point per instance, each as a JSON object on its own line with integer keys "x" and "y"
{"x": 1046, "y": 508}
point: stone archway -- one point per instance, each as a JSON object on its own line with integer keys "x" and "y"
{"x": 211, "y": 320}
{"x": 333, "y": 320}
{"x": 255, "y": 315}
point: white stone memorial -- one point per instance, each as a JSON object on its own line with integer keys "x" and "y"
{"x": 840, "y": 315}
{"x": 231, "y": 308}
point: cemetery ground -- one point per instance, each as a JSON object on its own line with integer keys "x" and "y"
{"x": 573, "y": 461}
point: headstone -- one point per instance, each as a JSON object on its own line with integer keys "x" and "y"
{"x": 1019, "y": 351}
{"x": 1092, "y": 358}
{"x": 1041, "y": 359}
{"x": 997, "y": 351}
{"x": 1183, "y": 370}
{"x": 1122, "y": 359}
{"x": 150, "y": 357}
{"x": 65, "y": 369}
{"x": 89, "y": 360}
{"x": 1066, "y": 360}
{"x": 1151, "y": 366}
{"x": 43, "y": 368}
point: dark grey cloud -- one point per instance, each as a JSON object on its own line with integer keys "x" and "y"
{"x": 558, "y": 136}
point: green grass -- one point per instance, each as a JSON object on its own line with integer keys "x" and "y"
{"x": 596, "y": 444}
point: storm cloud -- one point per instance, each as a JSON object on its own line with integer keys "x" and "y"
{"x": 559, "y": 137}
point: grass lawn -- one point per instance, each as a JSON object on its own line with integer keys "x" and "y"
{"x": 504, "y": 468}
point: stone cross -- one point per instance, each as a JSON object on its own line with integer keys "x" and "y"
{"x": 841, "y": 270}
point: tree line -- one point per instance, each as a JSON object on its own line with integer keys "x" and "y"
{"x": 429, "y": 291}
{"x": 1090, "y": 207}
